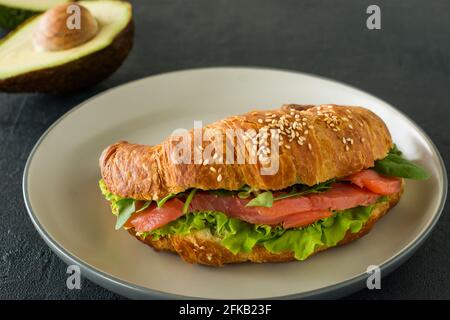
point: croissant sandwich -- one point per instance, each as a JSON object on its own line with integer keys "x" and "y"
{"x": 266, "y": 186}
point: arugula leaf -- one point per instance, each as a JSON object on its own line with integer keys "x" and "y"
{"x": 320, "y": 187}
{"x": 161, "y": 202}
{"x": 126, "y": 208}
{"x": 245, "y": 192}
{"x": 145, "y": 206}
{"x": 242, "y": 193}
{"x": 395, "y": 165}
{"x": 221, "y": 192}
{"x": 189, "y": 200}
{"x": 264, "y": 199}
{"x": 395, "y": 150}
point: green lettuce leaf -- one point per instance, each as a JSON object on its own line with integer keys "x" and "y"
{"x": 112, "y": 198}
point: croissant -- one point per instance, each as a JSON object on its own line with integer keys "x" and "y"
{"x": 329, "y": 141}
{"x": 265, "y": 186}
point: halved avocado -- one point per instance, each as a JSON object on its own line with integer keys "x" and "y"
{"x": 25, "y": 69}
{"x": 14, "y": 12}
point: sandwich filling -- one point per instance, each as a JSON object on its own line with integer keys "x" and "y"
{"x": 298, "y": 219}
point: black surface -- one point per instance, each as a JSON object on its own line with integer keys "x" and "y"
{"x": 406, "y": 63}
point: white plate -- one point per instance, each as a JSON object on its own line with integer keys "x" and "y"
{"x": 62, "y": 196}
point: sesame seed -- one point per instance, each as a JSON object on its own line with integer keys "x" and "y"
{"x": 287, "y": 146}
{"x": 350, "y": 126}
{"x": 219, "y": 178}
{"x": 292, "y": 113}
{"x": 346, "y": 147}
{"x": 220, "y": 169}
{"x": 350, "y": 117}
{"x": 260, "y": 120}
{"x": 310, "y": 127}
{"x": 361, "y": 124}
{"x": 309, "y": 146}
{"x": 212, "y": 169}
{"x": 215, "y": 156}
{"x": 345, "y": 119}
{"x": 268, "y": 114}
{"x": 362, "y": 139}
{"x": 348, "y": 111}
{"x": 205, "y": 162}
{"x": 304, "y": 119}
{"x": 343, "y": 140}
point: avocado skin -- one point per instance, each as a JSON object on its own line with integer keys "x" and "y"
{"x": 78, "y": 74}
{"x": 10, "y": 18}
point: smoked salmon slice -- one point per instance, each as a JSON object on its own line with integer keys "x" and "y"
{"x": 305, "y": 218}
{"x": 291, "y": 212}
{"x": 365, "y": 189}
{"x": 376, "y": 182}
{"x": 154, "y": 217}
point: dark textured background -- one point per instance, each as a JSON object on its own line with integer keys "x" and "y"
{"x": 407, "y": 63}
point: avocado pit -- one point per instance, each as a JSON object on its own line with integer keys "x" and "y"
{"x": 64, "y": 27}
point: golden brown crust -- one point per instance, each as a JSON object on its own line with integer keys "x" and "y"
{"x": 338, "y": 141}
{"x": 203, "y": 248}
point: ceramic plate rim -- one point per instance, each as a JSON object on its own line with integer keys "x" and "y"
{"x": 110, "y": 281}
